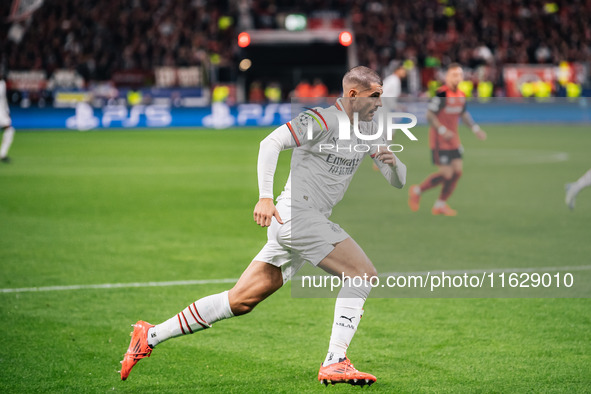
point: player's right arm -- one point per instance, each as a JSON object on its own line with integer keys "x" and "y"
{"x": 290, "y": 135}
{"x": 280, "y": 139}
{"x": 435, "y": 106}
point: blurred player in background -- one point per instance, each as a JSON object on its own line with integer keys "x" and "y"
{"x": 392, "y": 90}
{"x": 5, "y": 123}
{"x": 393, "y": 86}
{"x": 308, "y": 202}
{"x": 572, "y": 189}
{"x": 443, "y": 114}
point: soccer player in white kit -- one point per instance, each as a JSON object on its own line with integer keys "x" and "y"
{"x": 299, "y": 227}
{"x": 5, "y": 124}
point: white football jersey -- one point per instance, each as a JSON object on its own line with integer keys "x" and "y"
{"x": 323, "y": 165}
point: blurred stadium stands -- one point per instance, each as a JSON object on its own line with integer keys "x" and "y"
{"x": 179, "y": 52}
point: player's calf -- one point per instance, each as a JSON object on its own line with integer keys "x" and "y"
{"x": 242, "y": 307}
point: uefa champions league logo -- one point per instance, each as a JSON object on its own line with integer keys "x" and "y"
{"x": 385, "y": 121}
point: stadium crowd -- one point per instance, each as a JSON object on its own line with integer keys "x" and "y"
{"x": 473, "y": 32}
{"x": 98, "y": 37}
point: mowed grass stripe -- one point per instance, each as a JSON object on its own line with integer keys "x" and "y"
{"x": 172, "y": 205}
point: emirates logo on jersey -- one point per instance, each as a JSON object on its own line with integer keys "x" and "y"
{"x": 341, "y": 165}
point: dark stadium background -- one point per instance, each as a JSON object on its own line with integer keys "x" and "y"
{"x": 133, "y": 180}
{"x": 124, "y": 44}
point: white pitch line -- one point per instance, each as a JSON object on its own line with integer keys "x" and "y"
{"x": 118, "y": 285}
{"x": 233, "y": 280}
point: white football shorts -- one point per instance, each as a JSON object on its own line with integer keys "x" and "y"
{"x": 307, "y": 236}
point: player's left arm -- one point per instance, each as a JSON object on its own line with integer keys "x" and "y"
{"x": 391, "y": 167}
{"x": 468, "y": 121}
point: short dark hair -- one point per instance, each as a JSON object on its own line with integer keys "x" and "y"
{"x": 362, "y": 76}
{"x": 453, "y": 65}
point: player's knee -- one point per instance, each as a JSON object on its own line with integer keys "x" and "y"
{"x": 365, "y": 271}
{"x": 447, "y": 175}
{"x": 447, "y": 172}
{"x": 458, "y": 173}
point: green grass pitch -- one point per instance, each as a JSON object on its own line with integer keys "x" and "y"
{"x": 166, "y": 205}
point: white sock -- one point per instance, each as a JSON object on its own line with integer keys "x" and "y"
{"x": 417, "y": 189}
{"x": 7, "y": 139}
{"x": 196, "y": 317}
{"x": 582, "y": 182}
{"x": 347, "y": 314}
{"x": 439, "y": 203}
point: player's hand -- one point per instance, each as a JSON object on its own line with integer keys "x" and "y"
{"x": 448, "y": 135}
{"x": 385, "y": 156}
{"x": 480, "y": 134}
{"x": 264, "y": 212}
